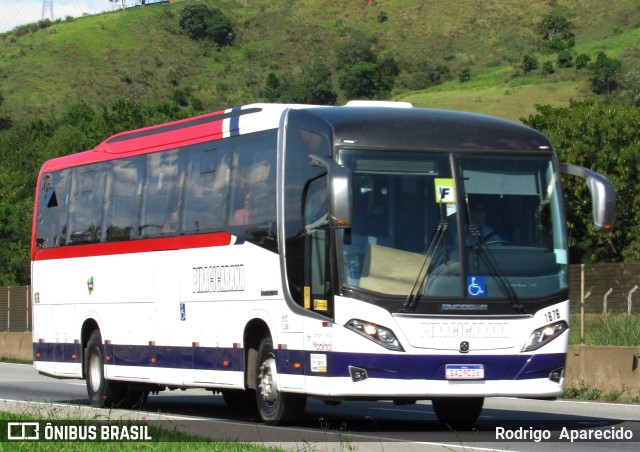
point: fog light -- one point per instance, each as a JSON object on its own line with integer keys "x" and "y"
{"x": 557, "y": 375}
{"x": 357, "y": 373}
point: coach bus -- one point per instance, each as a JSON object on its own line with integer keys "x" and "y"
{"x": 271, "y": 253}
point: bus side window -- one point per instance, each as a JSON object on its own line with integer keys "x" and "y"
{"x": 206, "y": 190}
{"x": 252, "y": 198}
{"x": 85, "y": 207}
{"x": 52, "y": 210}
{"x": 161, "y": 194}
{"x": 124, "y": 188}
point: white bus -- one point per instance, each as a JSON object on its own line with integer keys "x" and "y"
{"x": 272, "y": 253}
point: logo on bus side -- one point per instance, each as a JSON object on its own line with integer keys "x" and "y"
{"x": 218, "y": 278}
{"x": 90, "y": 285}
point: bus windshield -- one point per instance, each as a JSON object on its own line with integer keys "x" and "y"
{"x": 454, "y": 225}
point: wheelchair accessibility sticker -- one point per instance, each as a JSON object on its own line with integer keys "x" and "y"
{"x": 476, "y": 286}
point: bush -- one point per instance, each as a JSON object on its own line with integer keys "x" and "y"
{"x": 464, "y": 76}
{"x": 200, "y": 22}
{"x": 529, "y": 63}
{"x": 312, "y": 86}
{"x": 582, "y": 61}
{"x": 565, "y": 59}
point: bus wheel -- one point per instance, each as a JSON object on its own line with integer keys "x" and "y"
{"x": 102, "y": 392}
{"x": 274, "y": 406}
{"x": 458, "y": 411}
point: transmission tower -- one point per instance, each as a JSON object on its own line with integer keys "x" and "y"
{"x": 47, "y": 9}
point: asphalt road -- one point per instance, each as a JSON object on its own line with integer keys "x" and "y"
{"x": 505, "y": 424}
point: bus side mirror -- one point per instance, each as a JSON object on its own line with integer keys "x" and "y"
{"x": 603, "y": 195}
{"x": 338, "y": 191}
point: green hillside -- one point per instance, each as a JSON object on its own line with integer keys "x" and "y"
{"x": 142, "y": 54}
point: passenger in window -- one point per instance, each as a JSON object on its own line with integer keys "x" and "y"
{"x": 241, "y": 216}
{"x": 170, "y": 226}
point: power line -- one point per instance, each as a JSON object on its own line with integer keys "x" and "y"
{"x": 47, "y": 7}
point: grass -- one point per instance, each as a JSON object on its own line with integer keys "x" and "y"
{"x": 588, "y": 393}
{"x": 607, "y": 330}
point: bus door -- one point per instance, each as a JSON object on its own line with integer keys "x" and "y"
{"x": 317, "y": 277}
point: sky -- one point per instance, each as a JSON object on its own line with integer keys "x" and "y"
{"x": 20, "y": 12}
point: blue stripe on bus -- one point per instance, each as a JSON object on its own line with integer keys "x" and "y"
{"x": 388, "y": 366}
{"x": 234, "y": 123}
{"x": 432, "y": 367}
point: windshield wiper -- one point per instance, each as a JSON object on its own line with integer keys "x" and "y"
{"x": 480, "y": 248}
{"x": 423, "y": 274}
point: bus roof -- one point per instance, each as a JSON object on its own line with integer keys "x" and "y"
{"x": 421, "y": 128}
{"x": 198, "y": 129}
{"x": 365, "y": 125}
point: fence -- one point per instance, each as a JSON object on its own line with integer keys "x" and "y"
{"x": 605, "y": 288}
{"x": 594, "y": 289}
{"x": 15, "y": 309}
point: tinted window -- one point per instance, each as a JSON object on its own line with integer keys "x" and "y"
{"x": 52, "y": 210}
{"x": 161, "y": 194}
{"x": 124, "y": 187}
{"x": 85, "y": 206}
{"x": 206, "y": 190}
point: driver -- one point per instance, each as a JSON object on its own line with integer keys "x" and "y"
{"x": 486, "y": 233}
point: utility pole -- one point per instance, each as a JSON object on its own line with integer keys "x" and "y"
{"x": 47, "y": 9}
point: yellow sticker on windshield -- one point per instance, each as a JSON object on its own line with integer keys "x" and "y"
{"x": 445, "y": 190}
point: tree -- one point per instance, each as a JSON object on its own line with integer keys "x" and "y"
{"x": 547, "y": 68}
{"x": 423, "y": 72}
{"x": 604, "y": 73}
{"x": 359, "y": 48}
{"x": 220, "y": 28}
{"x": 605, "y": 138}
{"x": 362, "y": 75}
{"x": 200, "y": 22}
{"x": 582, "y": 61}
{"x": 358, "y": 81}
{"x": 465, "y": 75}
{"x": 369, "y": 80}
{"x": 312, "y": 86}
{"x": 529, "y": 63}
{"x": 555, "y": 30}
{"x": 272, "y": 87}
{"x": 632, "y": 82}
{"x": 565, "y": 58}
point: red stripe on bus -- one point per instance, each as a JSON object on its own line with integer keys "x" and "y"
{"x": 134, "y": 246}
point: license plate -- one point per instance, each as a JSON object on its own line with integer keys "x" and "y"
{"x": 464, "y": 371}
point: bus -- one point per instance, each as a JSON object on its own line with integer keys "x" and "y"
{"x": 271, "y": 253}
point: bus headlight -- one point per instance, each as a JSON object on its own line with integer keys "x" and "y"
{"x": 378, "y": 334}
{"x": 542, "y": 336}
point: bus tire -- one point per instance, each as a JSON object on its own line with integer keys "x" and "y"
{"x": 102, "y": 392}
{"x": 274, "y": 406}
{"x": 458, "y": 412}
